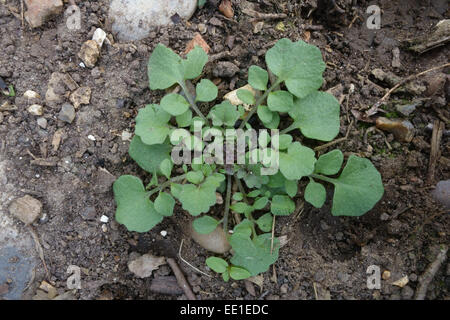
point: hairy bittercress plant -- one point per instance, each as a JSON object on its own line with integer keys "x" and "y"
{"x": 297, "y": 67}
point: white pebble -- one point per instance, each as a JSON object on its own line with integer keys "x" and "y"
{"x": 104, "y": 219}
{"x": 104, "y": 228}
{"x": 126, "y": 135}
{"x": 82, "y": 65}
{"x": 99, "y": 36}
{"x": 30, "y": 94}
{"x": 164, "y": 233}
{"x": 36, "y": 110}
{"x": 91, "y": 137}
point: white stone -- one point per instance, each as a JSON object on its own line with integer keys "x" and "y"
{"x": 36, "y": 110}
{"x": 163, "y": 233}
{"x": 126, "y": 135}
{"x": 30, "y": 94}
{"x": 91, "y": 137}
{"x": 134, "y": 19}
{"x": 99, "y": 36}
{"x": 104, "y": 219}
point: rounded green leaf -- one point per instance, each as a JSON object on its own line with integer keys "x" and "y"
{"x": 194, "y": 63}
{"x": 298, "y": 64}
{"x": 317, "y": 116}
{"x": 217, "y": 264}
{"x": 258, "y": 78}
{"x": 358, "y": 188}
{"x": 297, "y": 162}
{"x": 206, "y": 91}
{"x": 237, "y": 196}
{"x": 330, "y": 163}
{"x": 198, "y": 199}
{"x": 281, "y": 101}
{"x": 164, "y": 204}
{"x": 265, "y": 222}
{"x": 148, "y": 157}
{"x": 254, "y": 193}
{"x": 185, "y": 119}
{"x": 246, "y": 96}
{"x": 315, "y": 194}
{"x": 282, "y": 205}
{"x": 260, "y": 203}
{"x": 273, "y": 124}
{"x": 205, "y": 225}
{"x": 151, "y": 124}
{"x": 195, "y": 177}
{"x": 264, "y": 114}
{"x": 174, "y": 104}
{"x": 224, "y": 114}
{"x": 285, "y": 141}
{"x": 164, "y": 68}
{"x": 134, "y": 208}
{"x": 237, "y": 273}
{"x": 291, "y": 187}
{"x": 166, "y": 167}
{"x": 226, "y": 276}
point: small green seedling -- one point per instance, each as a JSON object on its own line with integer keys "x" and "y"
{"x": 293, "y": 96}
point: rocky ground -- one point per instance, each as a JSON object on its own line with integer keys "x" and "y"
{"x": 62, "y": 146}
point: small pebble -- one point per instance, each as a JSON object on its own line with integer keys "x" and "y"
{"x": 67, "y": 113}
{"x": 104, "y": 219}
{"x": 91, "y": 137}
{"x": 42, "y": 122}
{"x": 36, "y": 110}
{"x": 163, "y": 233}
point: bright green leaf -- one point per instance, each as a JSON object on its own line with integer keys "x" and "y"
{"x": 237, "y": 273}
{"x": 205, "y": 225}
{"x": 206, "y": 91}
{"x": 134, "y": 208}
{"x": 297, "y": 162}
{"x": 260, "y": 203}
{"x": 264, "y": 114}
{"x": 285, "y": 141}
{"x": 246, "y": 96}
{"x": 185, "y": 119}
{"x": 291, "y": 187}
{"x": 258, "y": 78}
{"x": 166, "y": 167}
{"x": 282, "y": 205}
{"x": 224, "y": 114}
{"x": 151, "y": 124}
{"x": 281, "y": 101}
{"x": 298, "y": 64}
{"x": 174, "y": 104}
{"x": 164, "y": 204}
{"x": 315, "y": 194}
{"x": 148, "y": 157}
{"x": 164, "y": 68}
{"x": 217, "y": 264}
{"x": 358, "y": 188}
{"x": 265, "y": 222}
{"x": 330, "y": 163}
{"x": 195, "y": 177}
{"x": 317, "y": 116}
{"x": 194, "y": 63}
{"x": 197, "y": 199}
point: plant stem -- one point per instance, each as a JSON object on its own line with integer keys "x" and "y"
{"x": 321, "y": 177}
{"x": 227, "y": 205}
{"x": 166, "y": 184}
{"x": 192, "y": 102}
{"x": 293, "y": 126}
{"x": 258, "y": 102}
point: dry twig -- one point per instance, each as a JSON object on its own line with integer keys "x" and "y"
{"x": 182, "y": 282}
{"x": 429, "y": 274}
{"x": 438, "y": 129}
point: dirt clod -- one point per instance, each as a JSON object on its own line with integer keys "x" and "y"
{"x": 27, "y": 209}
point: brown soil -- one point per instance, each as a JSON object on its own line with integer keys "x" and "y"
{"x": 401, "y": 234}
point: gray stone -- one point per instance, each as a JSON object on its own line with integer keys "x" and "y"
{"x": 104, "y": 181}
{"x": 67, "y": 113}
{"x": 27, "y": 209}
{"x": 407, "y": 292}
{"x": 42, "y": 122}
{"x": 225, "y": 69}
{"x": 134, "y": 19}
{"x": 442, "y": 193}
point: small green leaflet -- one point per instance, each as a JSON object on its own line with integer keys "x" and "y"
{"x": 297, "y": 162}
{"x": 265, "y": 222}
{"x": 254, "y": 255}
{"x": 195, "y": 177}
{"x": 205, "y": 225}
{"x": 206, "y": 91}
{"x": 260, "y": 203}
{"x": 264, "y": 114}
{"x": 282, "y": 205}
{"x": 152, "y": 124}
{"x": 237, "y": 273}
{"x": 185, "y": 119}
{"x": 164, "y": 204}
{"x": 281, "y": 101}
{"x": 198, "y": 199}
{"x": 174, "y": 104}
{"x": 224, "y": 114}
{"x": 358, "y": 188}
{"x": 134, "y": 208}
{"x": 317, "y": 116}
{"x": 298, "y": 64}
{"x": 291, "y": 187}
{"x": 330, "y": 163}
{"x": 315, "y": 194}
{"x": 148, "y": 157}
{"x": 246, "y": 96}
{"x": 217, "y": 264}
{"x": 165, "y": 67}
{"x": 166, "y": 167}
{"x": 258, "y": 78}
{"x": 285, "y": 141}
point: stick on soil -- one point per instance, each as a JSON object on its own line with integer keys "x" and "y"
{"x": 429, "y": 274}
{"x": 182, "y": 282}
{"x": 438, "y": 129}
